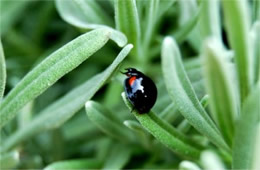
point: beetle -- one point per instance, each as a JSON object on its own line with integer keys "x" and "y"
{"x": 140, "y": 90}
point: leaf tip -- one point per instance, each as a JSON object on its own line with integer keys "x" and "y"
{"x": 167, "y": 40}
{"x": 130, "y": 46}
{"x": 88, "y": 104}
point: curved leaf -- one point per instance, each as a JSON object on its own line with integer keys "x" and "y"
{"x": 50, "y": 70}
{"x": 63, "y": 109}
{"x": 165, "y": 133}
{"x": 183, "y": 95}
{"x": 87, "y": 14}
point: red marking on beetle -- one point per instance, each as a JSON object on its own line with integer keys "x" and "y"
{"x": 132, "y": 80}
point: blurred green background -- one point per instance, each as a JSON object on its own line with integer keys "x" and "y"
{"x": 31, "y": 30}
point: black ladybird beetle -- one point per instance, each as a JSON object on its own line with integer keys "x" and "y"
{"x": 140, "y": 90}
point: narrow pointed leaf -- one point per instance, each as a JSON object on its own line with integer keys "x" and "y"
{"x": 237, "y": 19}
{"x": 165, "y": 133}
{"x": 221, "y": 88}
{"x": 183, "y": 95}
{"x": 50, "y": 70}
{"x": 127, "y": 21}
{"x": 63, "y": 109}
{"x": 246, "y": 131}
{"x": 150, "y": 21}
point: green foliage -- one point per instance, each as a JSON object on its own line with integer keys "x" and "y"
{"x": 166, "y": 134}
{"x": 50, "y": 70}
{"x": 205, "y": 65}
{"x": 128, "y": 22}
{"x": 182, "y": 93}
{"x": 238, "y": 25}
{"x": 246, "y": 131}
{"x": 64, "y": 108}
{"x": 218, "y": 75}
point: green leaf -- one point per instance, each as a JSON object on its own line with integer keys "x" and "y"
{"x": 246, "y": 131}
{"x": 255, "y": 36}
{"x": 2, "y": 72}
{"x": 50, "y": 70}
{"x": 108, "y": 122}
{"x": 181, "y": 34}
{"x": 75, "y": 164}
{"x": 133, "y": 125}
{"x": 183, "y": 95}
{"x": 9, "y": 160}
{"x": 86, "y": 14}
{"x": 221, "y": 88}
{"x": 63, "y": 109}
{"x": 82, "y": 11}
{"x": 184, "y": 126}
{"x": 237, "y": 19}
{"x": 188, "y": 9}
{"x": 210, "y": 24}
{"x": 165, "y": 133}
{"x": 127, "y": 21}
{"x": 256, "y": 10}
{"x": 210, "y": 160}
{"x": 188, "y": 165}
{"x": 149, "y": 27}
{"x": 118, "y": 157}
{"x": 205, "y": 101}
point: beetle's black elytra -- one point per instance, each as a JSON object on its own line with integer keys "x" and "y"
{"x": 140, "y": 90}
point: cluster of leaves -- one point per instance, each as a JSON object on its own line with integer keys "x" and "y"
{"x": 196, "y": 57}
